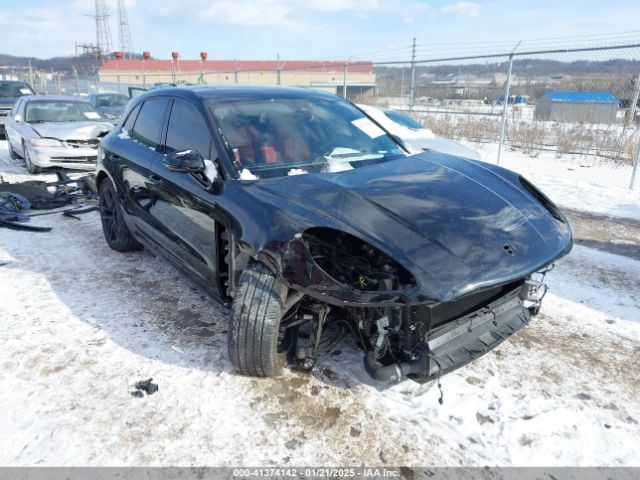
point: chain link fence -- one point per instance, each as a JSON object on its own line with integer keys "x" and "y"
{"x": 573, "y": 113}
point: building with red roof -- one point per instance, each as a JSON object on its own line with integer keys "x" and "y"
{"x": 328, "y": 76}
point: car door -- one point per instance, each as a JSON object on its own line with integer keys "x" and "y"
{"x": 131, "y": 154}
{"x": 184, "y": 209}
{"x": 12, "y": 127}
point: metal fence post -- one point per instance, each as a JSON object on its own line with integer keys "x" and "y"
{"x": 507, "y": 86}
{"x": 344, "y": 80}
{"x": 505, "y": 103}
{"x": 278, "y": 71}
{"x": 628, "y": 120}
{"x": 635, "y": 167}
{"x": 412, "y": 91}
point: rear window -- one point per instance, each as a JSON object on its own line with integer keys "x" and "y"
{"x": 148, "y": 127}
{"x": 14, "y": 89}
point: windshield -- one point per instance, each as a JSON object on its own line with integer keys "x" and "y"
{"x": 279, "y": 137}
{"x": 402, "y": 119}
{"x": 14, "y": 89}
{"x": 111, "y": 100}
{"x": 60, "y": 111}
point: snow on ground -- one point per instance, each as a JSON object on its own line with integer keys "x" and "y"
{"x": 574, "y": 181}
{"x": 80, "y": 324}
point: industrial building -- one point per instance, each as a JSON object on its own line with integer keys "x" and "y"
{"x": 577, "y": 107}
{"x": 326, "y": 76}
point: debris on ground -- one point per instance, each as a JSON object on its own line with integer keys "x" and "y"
{"x": 18, "y": 199}
{"x": 144, "y": 386}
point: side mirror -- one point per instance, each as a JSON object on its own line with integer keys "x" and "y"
{"x": 184, "y": 161}
{"x": 18, "y": 118}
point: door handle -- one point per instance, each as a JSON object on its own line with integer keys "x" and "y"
{"x": 155, "y": 180}
{"x": 115, "y": 158}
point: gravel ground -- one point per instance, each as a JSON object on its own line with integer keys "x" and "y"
{"x": 80, "y": 324}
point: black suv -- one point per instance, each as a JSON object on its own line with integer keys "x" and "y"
{"x": 10, "y": 91}
{"x": 316, "y": 224}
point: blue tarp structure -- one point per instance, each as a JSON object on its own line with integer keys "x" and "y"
{"x": 582, "y": 97}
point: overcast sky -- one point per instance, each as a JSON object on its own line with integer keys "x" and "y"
{"x": 310, "y": 29}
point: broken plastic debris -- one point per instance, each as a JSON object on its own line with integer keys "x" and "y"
{"x": 145, "y": 386}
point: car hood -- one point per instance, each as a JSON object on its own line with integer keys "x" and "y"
{"x": 456, "y": 225}
{"x": 443, "y": 145}
{"x": 72, "y": 130}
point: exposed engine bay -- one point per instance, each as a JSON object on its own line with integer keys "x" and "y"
{"x": 419, "y": 341}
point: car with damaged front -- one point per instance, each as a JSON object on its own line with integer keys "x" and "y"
{"x": 311, "y": 222}
{"x": 55, "y": 131}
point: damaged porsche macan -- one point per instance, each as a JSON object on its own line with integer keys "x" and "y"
{"x": 314, "y": 224}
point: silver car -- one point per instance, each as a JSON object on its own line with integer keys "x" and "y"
{"x": 55, "y": 131}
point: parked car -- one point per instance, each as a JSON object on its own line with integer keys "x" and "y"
{"x": 306, "y": 217}
{"x": 110, "y": 105}
{"x": 55, "y": 131}
{"x": 10, "y": 91}
{"x": 416, "y": 137}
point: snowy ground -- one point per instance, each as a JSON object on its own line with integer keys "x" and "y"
{"x": 80, "y": 324}
{"x": 574, "y": 181}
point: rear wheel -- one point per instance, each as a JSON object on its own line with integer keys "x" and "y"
{"x": 27, "y": 159}
{"x": 255, "y": 346}
{"x": 115, "y": 230}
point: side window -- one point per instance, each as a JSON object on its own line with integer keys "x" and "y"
{"x": 187, "y": 129}
{"x": 148, "y": 126}
{"x": 128, "y": 125}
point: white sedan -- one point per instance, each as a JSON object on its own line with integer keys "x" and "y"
{"x": 415, "y": 136}
{"x": 55, "y": 131}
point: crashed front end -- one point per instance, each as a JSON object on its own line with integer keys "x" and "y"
{"x": 403, "y": 332}
{"x": 70, "y": 154}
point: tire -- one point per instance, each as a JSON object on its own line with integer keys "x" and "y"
{"x": 12, "y": 153}
{"x": 27, "y": 159}
{"x": 254, "y": 347}
{"x": 114, "y": 228}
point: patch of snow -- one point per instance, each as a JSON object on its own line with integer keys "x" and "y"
{"x": 124, "y": 134}
{"x": 574, "y": 181}
{"x": 297, "y": 171}
{"x": 210, "y": 170}
{"x": 245, "y": 174}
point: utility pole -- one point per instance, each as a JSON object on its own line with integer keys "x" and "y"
{"x": 505, "y": 103}
{"x": 412, "y": 91}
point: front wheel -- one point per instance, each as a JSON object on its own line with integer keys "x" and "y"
{"x": 115, "y": 230}
{"x": 12, "y": 153}
{"x": 27, "y": 159}
{"x": 254, "y": 345}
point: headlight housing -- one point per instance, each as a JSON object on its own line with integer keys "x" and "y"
{"x": 46, "y": 142}
{"x": 353, "y": 262}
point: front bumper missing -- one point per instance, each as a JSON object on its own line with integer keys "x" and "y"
{"x": 465, "y": 339}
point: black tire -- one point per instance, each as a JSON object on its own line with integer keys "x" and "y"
{"x": 12, "y": 153}
{"x": 115, "y": 230}
{"x": 27, "y": 159}
{"x": 254, "y": 346}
